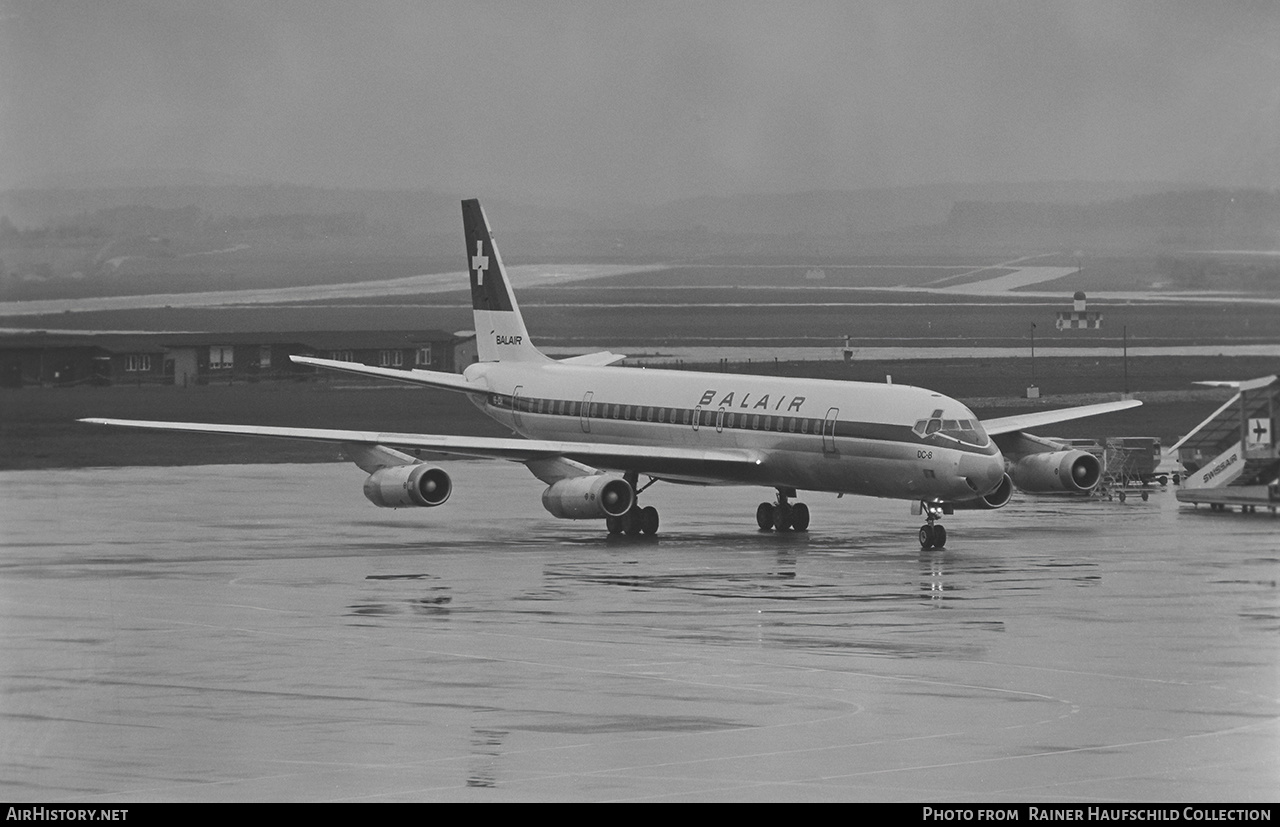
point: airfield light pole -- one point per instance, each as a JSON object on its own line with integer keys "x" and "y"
{"x": 1033, "y": 354}
{"x": 1125, "y": 334}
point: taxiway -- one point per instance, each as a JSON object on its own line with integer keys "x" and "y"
{"x": 237, "y": 633}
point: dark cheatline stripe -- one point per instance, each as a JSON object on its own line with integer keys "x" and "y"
{"x": 683, "y": 418}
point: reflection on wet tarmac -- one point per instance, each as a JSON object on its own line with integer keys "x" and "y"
{"x": 262, "y": 633}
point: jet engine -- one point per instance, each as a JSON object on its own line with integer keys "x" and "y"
{"x": 1076, "y": 472}
{"x": 408, "y": 485}
{"x": 588, "y": 498}
{"x": 998, "y": 497}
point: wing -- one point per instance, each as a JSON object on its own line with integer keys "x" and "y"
{"x": 1245, "y": 385}
{"x": 1020, "y": 422}
{"x": 687, "y": 464}
{"x": 414, "y": 376}
{"x": 599, "y": 359}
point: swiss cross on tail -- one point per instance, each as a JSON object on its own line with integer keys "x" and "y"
{"x": 479, "y": 263}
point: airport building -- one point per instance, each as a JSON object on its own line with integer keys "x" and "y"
{"x": 186, "y": 359}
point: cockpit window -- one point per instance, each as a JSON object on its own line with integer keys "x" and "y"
{"x": 967, "y": 431}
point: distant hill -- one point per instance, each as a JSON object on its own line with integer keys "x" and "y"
{"x": 956, "y": 216}
{"x": 137, "y": 179}
{"x": 1249, "y": 218}
{"x": 400, "y": 210}
{"x": 861, "y": 212}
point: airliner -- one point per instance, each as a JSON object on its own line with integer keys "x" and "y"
{"x": 589, "y": 429}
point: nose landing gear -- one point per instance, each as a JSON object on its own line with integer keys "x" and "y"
{"x": 932, "y": 533}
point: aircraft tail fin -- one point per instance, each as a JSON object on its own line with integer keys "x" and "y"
{"x": 500, "y": 331}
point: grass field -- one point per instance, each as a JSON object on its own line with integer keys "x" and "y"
{"x": 643, "y": 319}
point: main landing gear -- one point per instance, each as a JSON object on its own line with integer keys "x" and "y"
{"x": 782, "y": 515}
{"x": 932, "y": 533}
{"x": 638, "y": 520}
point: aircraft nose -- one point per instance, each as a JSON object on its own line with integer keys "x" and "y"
{"x": 982, "y": 473}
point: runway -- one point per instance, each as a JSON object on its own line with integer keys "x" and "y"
{"x": 263, "y": 633}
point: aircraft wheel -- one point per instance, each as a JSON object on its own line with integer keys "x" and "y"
{"x": 764, "y": 516}
{"x": 926, "y": 537}
{"x": 782, "y": 517}
{"x": 631, "y": 522}
{"x": 800, "y": 517}
{"x": 939, "y": 536}
{"x": 614, "y": 524}
{"x": 1121, "y": 496}
{"x": 649, "y": 520}
{"x": 1145, "y": 496}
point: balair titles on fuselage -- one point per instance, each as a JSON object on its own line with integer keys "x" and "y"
{"x": 761, "y": 403}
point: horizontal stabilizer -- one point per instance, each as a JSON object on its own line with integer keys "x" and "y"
{"x": 415, "y": 376}
{"x": 599, "y": 359}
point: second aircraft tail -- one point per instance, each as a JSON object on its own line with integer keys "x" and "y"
{"x": 500, "y": 331}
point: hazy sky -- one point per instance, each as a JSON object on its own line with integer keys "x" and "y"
{"x": 643, "y": 101}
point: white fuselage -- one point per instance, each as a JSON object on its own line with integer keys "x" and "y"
{"x": 815, "y": 435}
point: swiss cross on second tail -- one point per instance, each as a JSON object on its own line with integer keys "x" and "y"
{"x": 480, "y": 262}
{"x": 1260, "y": 431}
